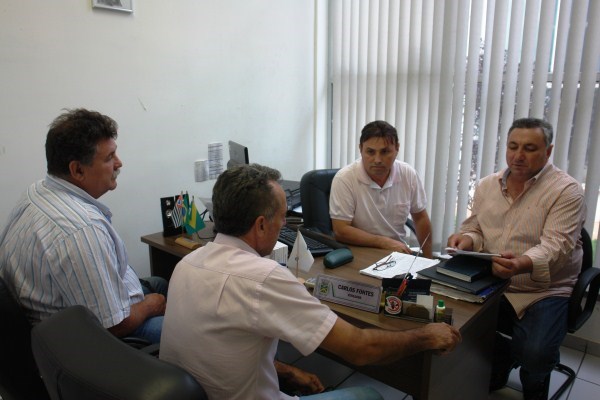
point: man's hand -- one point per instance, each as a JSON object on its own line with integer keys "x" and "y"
{"x": 462, "y": 242}
{"x": 153, "y": 305}
{"x": 346, "y": 233}
{"x": 156, "y": 304}
{"x": 393, "y": 245}
{"x": 296, "y": 380}
{"x": 508, "y": 265}
{"x": 444, "y": 337}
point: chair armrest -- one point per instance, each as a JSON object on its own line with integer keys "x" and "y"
{"x": 577, "y": 316}
{"x": 136, "y": 342}
{"x": 142, "y": 345}
{"x": 153, "y": 349}
{"x": 411, "y": 225}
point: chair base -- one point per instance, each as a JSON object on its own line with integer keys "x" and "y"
{"x": 570, "y": 379}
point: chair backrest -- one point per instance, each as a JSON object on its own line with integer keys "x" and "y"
{"x": 315, "y": 187}
{"x": 588, "y": 251}
{"x": 586, "y": 287}
{"x": 19, "y": 376}
{"x": 79, "y": 359}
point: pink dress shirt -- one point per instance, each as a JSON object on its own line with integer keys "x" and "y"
{"x": 544, "y": 223}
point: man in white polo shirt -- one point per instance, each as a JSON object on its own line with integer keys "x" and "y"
{"x": 372, "y": 198}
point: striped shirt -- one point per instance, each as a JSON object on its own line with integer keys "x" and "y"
{"x": 59, "y": 249}
{"x": 544, "y": 223}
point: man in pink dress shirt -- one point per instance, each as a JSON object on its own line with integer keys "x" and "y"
{"x": 531, "y": 214}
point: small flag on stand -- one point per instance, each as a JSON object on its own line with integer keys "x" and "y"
{"x": 300, "y": 256}
{"x": 179, "y": 212}
{"x": 193, "y": 219}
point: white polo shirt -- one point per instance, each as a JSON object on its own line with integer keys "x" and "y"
{"x": 378, "y": 210}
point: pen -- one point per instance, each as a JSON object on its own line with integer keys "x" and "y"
{"x": 408, "y": 276}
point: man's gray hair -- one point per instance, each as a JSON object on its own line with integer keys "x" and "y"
{"x": 532, "y": 123}
{"x": 242, "y": 194}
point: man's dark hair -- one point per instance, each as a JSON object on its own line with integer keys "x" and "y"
{"x": 532, "y": 123}
{"x": 74, "y": 136}
{"x": 379, "y": 129}
{"x": 242, "y": 194}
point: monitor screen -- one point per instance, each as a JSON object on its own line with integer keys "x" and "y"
{"x": 238, "y": 154}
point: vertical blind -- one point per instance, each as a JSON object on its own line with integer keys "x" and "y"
{"x": 451, "y": 76}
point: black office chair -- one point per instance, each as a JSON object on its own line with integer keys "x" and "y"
{"x": 589, "y": 277}
{"x": 19, "y": 377}
{"x": 315, "y": 187}
{"x": 79, "y": 359}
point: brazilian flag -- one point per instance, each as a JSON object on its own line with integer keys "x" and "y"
{"x": 193, "y": 219}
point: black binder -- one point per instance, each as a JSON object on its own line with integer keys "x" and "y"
{"x": 466, "y": 268}
{"x": 469, "y": 287}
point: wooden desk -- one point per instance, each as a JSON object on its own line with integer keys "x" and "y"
{"x": 463, "y": 374}
{"x": 165, "y": 253}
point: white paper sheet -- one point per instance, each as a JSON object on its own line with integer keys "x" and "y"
{"x": 455, "y": 252}
{"x": 403, "y": 263}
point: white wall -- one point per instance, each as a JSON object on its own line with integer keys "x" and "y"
{"x": 175, "y": 75}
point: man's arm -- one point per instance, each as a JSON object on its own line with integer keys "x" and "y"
{"x": 423, "y": 228}
{"x": 460, "y": 241}
{"x": 346, "y": 233}
{"x": 562, "y": 229}
{"x": 153, "y": 305}
{"x": 378, "y": 346}
{"x": 508, "y": 265}
{"x": 560, "y": 234}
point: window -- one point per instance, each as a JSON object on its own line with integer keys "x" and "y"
{"x": 451, "y": 76}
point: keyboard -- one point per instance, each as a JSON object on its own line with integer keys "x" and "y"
{"x": 317, "y": 248}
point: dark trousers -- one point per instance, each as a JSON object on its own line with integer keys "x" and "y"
{"x": 155, "y": 284}
{"x": 533, "y": 345}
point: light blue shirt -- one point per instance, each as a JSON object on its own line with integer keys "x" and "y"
{"x": 59, "y": 249}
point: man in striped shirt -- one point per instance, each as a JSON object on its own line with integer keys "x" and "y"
{"x": 59, "y": 247}
{"x": 531, "y": 214}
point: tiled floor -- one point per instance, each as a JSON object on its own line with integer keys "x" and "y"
{"x": 335, "y": 375}
{"x": 585, "y": 387}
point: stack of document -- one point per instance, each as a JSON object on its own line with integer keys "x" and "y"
{"x": 401, "y": 264}
{"x": 453, "y": 251}
{"x": 458, "y": 284}
{"x": 469, "y": 297}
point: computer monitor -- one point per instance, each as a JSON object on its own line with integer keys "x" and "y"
{"x": 238, "y": 154}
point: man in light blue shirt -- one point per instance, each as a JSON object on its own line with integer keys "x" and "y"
{"x": 59, "y": 247}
